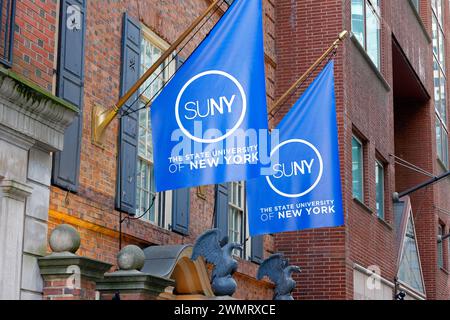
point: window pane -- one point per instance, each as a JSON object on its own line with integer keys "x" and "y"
{"x": 439, "y": 11}
{"x": 435, "y": 36}
{"x": 358, "y": 20}
{"x": 379, "y": 181}
{"x": 445, "y": 147}
{"x": 441, "y": 49}
{"x": 146, "y": 182}
{"x": 357, "y": 169}
{"x": 373, "y": 35}
{"x": 439, "y": 138}
{"x": 440, "y": 249}
{"x": 443, "y": 98}
{"x": 437, "y": 87}
{"x": 409, "y": 270}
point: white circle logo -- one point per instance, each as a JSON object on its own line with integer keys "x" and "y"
{"x": 229, "y": 132}
{"x": 319, "y": 176}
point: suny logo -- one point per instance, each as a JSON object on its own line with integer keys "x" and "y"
{"x": 301, "y": 170}
{"x": 211, "y": 98}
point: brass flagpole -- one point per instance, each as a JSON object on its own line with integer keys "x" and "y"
{"x": 291, "y": 90}
{"x": 102, "y": 118}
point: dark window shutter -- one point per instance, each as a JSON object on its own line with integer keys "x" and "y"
{"x": 180, "y": 211}
{"x": 257, "y": 249}
{"x": 181, "y": 198}
{"x": 66, "y": 164}
{"x": 128, "y": 136}
{"x": 221, "y": 208}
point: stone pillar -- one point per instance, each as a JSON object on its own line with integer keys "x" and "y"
{"x": 66, "y": 275}
{"x": 13, "y": 195}
{"x": 129, "y": 283}
{"x": 32, "y": 125}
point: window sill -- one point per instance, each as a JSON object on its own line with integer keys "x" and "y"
{"x": 385, "y": 223}
{"x": 419, "y": 20}
{"x": 370, "y": 62}
{"x": 363, "y": 205}
{"x": 444, "y": 270}
{"x": 443, "y": 166}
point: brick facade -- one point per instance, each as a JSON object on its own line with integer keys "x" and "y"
{"x": 369, "y": 104}
{"x": 372, "y": 107}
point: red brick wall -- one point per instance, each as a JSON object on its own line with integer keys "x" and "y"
{"x": 34, "y": 40}
{"x": 93, "y": 205}
{"x": 441, "y": 204}
{"x": 304, "y": 30}
{"x": 296, "y": 33}
{"x": 365, "y": 105}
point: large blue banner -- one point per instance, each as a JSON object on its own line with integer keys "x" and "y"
{"x": 207, "y": 121}
{"x": 303, "y": 189}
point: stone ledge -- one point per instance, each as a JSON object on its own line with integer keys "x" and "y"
{"x": 133, "y": 282}
{"x": 58, "y": 264}
{"x": 33, "y": 91}
{"x": 28, "y": 109}
{"x": 15, "y": 190}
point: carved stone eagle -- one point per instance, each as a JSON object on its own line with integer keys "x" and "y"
{"x": 277, "y": 268}
{"x": 218, "y": 252}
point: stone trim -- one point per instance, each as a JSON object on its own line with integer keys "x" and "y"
{"x": 58, "y": 264}
{"x": 133, "y": 282}
{"x": 28, "y": 109}
{"x": 15, "y": 190}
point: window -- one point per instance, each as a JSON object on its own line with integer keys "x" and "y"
{"x": 410, "y": 271}
{"x": 236, "y": 213}
{"x": 357, "y": 169}
{"x": 237, "y": 222}
{"x": 440, "y": 82}
{"x": 441, "y": 247}
{"x": 416, "y": 4}
{"x": 366, "y": 27}
{"x": 379, "y": 182}
{"x": 151, "y": 49}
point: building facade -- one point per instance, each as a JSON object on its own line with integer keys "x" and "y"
{"x": 392, "y": 105}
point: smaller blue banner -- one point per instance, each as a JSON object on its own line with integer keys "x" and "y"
{"x": 303, "y": 188}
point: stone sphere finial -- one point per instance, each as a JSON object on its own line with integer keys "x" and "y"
{"x": 65, "y": 238}
{"x": 131, "y": 258}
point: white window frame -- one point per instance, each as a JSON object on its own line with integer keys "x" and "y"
{"x": 440, "y": 90}
{"x": 362, "y": 169}
{"x": 376, "y": 9}
{"x": 380, "y": 166}
{"x": 162, "y": 206}
{"x": 244, "y": 229}
{"x": 441, "y": 255}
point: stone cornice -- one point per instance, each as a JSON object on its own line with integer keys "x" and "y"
{"x": 33, "y": 112}
{"x": 15, "y": 190}
{"x": 62, "y": 264}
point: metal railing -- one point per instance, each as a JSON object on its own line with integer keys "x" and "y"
{"x": 7, "y": 25}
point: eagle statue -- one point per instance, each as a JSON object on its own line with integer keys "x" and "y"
{"x": 277, "y": 268}
{"x": 218, "y": 252}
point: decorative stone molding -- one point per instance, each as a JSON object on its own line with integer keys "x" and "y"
{"x": 129, "y": 283}
{"x": 15, "y": 190}
{"x": 60, "y": 264}
{"x": 30, "y": 110}
{"x": 132, "y": 285}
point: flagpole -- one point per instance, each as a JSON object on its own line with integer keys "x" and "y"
{"x": 294, "y": 87}
{"x": 102, "y": 118}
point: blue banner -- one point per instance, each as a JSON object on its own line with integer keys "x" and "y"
{"x": 303, "y": 188}
{"x": 206, "y": 122}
